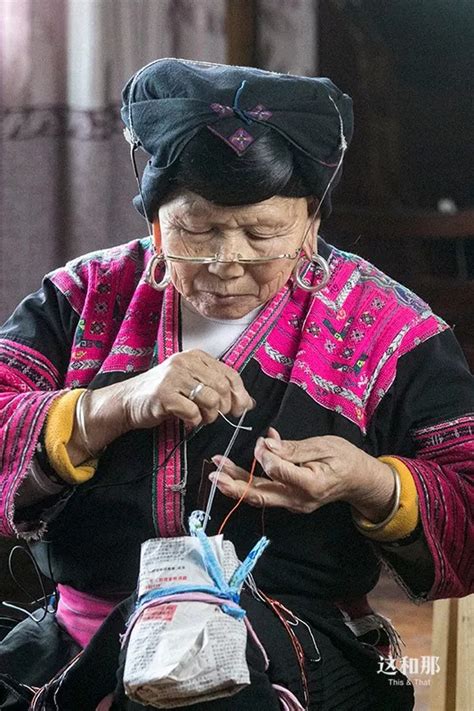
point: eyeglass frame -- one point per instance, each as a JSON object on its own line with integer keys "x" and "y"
{"x": 238, "y": 258}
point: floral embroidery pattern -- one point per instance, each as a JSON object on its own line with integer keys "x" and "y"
{"x": 352, "y": 368}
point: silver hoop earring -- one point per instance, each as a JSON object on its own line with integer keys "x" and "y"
{"x": 155, "y": 261}
{"x": 321, "y": 265}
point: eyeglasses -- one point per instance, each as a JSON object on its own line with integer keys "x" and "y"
{"x": 215, "y": 259}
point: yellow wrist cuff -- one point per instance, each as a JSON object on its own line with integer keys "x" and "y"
{"x": 58, "y": 432}
{"x": 405, "y": 519}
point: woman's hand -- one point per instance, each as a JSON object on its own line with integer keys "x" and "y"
{"x": 306, "y": 474}
{"x": 164, "y": 391}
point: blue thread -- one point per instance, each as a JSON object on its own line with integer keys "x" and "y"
{"x": 243, "y": 115}
{"x": 210, "y": 561}
{"x": 239, "y": 576}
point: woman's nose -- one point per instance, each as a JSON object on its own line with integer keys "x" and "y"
{"x": 227, "y": 264}
{"x": 228, "y": 269}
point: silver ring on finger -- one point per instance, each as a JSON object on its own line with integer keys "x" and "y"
{"x": 195, "y": 391}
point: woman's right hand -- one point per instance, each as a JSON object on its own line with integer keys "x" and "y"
{"x": 146, "y": 400}
{"x": 164, "y": 391}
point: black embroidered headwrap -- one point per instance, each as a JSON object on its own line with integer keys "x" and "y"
{"x": 167, "y": 102}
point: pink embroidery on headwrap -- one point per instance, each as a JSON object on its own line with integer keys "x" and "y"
{"x": 259, "y": 112}
{"x": 241, "y": 139}
{"x": 222, "y": 110}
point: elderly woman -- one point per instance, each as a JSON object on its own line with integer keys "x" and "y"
{"x": 120, "y": 376}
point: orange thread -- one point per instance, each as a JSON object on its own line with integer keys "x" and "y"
{"x": 244, "y": 494}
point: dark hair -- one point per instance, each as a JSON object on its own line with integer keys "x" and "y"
{"x": 212, "y": 169}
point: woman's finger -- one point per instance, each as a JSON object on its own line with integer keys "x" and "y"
{"x": 264, "y": 493}
{"x": 183, "y": 408}
{"x": 230, "y": 468}
{"x": 226, "y": 382}
{"x": 301, "y": 451}
{"x": 209, "y": 403}
{"x": 309, "y": 480}
{"x": 240, "y": 399}
{"x": 285, "y": 472}
{"x": 273, "y": 434}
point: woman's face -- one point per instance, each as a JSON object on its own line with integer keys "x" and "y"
{"x": 192, "y": 226}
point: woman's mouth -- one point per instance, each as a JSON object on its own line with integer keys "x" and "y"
{"x": 216, "y": 295}
{"x": 227, "y": 299}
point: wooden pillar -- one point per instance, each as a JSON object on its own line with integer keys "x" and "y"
{"x": 443, "y": 686}
{"x": 464, "y": 654}
{"x": 452, "y": 689}
{"x": 241, "y": 32}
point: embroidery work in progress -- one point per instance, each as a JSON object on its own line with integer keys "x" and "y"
{"x": 186, "y": 640}
{"x": 188, "y": 635}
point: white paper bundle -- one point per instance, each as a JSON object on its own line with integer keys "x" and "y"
{"x": 182, "y": 652}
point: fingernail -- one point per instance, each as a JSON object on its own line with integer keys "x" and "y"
{"x": 272, "y": 444}
{"x": 254, "y": 402}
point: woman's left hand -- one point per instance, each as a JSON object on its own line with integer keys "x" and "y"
{"x": 306, "y": 474}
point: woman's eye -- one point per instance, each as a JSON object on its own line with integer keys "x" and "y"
{"x": 196, "y": 232}
{"x": 253, "y": 235}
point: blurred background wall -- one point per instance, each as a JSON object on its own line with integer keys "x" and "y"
{"x": 407, "y": 197}
{"x": 66, "y": 180}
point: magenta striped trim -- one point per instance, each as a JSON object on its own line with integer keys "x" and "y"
{"x": 443, "y": 475}
{"x": 29, "y": 381}
{"x": 33, "y": 369}
{"x": 21, "y": 418}
{"x": 437, "y": 441}
{"x": 72, "y": 284}
{"x": 168, "y": 505}
{"x": 256, "y": 332}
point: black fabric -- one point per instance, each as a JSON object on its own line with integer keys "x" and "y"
{"x": 167, "y": 102}
{"x": 34, "y": 651}
{"x": 46, "y": 319}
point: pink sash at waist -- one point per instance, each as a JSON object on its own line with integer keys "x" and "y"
{"x": 81, "y": 614}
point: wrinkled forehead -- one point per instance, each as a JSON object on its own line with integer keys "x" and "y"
{"x": 277, "y": 209}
